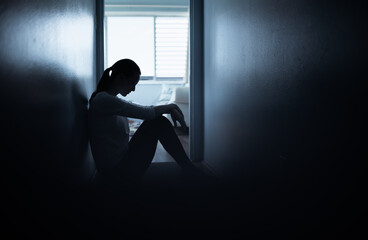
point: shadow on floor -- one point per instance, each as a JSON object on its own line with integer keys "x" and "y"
{"x": 166, "y": 204}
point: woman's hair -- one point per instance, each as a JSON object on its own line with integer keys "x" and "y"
{"x": 124, "y": 66}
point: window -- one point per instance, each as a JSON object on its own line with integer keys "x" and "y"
{"x": 131, "y": 37}
{"x": 156, "y": 41}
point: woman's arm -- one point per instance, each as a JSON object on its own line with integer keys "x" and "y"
{"x": 174, "y": 111}
{"x": 162, "y": 109}
{"x": 104, "y": 103}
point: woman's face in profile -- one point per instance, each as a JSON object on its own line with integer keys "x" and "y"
{"x": 127, "y": 85}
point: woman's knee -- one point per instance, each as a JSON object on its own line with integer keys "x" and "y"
{"x": 163, "y": 121}
{"x": 159, "y": 122}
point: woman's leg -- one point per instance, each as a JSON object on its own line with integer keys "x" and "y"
{"x": 171, "y": 142}
{"x": 142, "y": 146}
{"x": 141, "y": 150}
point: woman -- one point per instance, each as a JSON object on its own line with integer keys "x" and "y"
{"x": 114, "y": 154}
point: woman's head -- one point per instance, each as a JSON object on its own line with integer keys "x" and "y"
{"x": 119, "y": 78}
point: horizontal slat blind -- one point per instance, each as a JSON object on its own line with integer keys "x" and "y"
{"x": 171, "y": 46}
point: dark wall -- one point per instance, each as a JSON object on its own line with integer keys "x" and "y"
{"x": 284, "y": 95}
{"x": 47, "y": 70}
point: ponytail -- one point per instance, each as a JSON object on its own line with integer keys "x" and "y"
{"x": 102, "y": 84}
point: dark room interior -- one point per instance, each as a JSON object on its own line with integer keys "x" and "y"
{"x": 282, "y": 130}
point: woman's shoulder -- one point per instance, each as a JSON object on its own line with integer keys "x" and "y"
{"x": 104, "y": 101}
{"x": 99, "y": 99}
{"x": 101, "y": 96}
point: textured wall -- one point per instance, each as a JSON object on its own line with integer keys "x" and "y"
{"x": 47, "y": 69}
{"x": 281, "y": 80}
{"x": 284, "y": 94}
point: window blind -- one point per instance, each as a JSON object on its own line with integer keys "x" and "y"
{"x": 171, "y": 43}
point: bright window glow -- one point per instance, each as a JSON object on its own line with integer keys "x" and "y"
{"x": 131, "y": 37}
{"x": 158, "y": 45}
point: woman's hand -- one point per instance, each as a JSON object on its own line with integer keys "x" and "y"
{"x": 162, "y": 109}
{"x": 177, "y": 115}
{"x": 174, "y": 111}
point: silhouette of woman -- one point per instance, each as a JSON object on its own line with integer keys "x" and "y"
{"x": 115, "y": 156}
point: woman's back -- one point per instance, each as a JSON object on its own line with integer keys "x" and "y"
{"x": 108, "y": 132}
